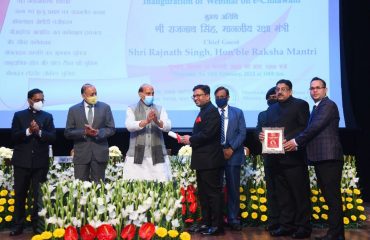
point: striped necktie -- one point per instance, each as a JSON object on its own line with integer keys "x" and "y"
{"x": 223, "y": 126}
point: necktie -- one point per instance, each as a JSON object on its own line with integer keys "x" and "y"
{"x": 312, "y": 113}
{"x": 90, "y": 116}
{"x": 314, "y": 108}
{"x": 222, "y": 126}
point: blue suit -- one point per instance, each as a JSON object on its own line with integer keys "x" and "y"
{"x": 235, "y": 137}
{"x": 324, "y": 151}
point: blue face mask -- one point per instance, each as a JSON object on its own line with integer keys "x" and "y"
{"x": 148, "y": 100}
{"x": 221, "y": 102}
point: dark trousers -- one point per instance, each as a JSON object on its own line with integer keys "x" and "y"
{"x": 329, "y": 175}
{"x": 93, "y": 171}
{"x": 232, "y": 177}
{"x": 293, "y": 193}
{"x": 210, "y": 196}
{"x": 23, "y": 178}
{"x": 273, "y": 210}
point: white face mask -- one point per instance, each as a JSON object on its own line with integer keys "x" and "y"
{"x": 37, "y": 105}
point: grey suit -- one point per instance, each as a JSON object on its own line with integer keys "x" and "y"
{"x": 90, "y": 153}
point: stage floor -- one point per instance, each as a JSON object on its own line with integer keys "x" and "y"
{"x": 248, "y": 233}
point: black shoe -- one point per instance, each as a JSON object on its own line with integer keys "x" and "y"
{"x": 330, "y": 237}
{"x": 281, "y": 232}
{"x": 272, "y": 227}
{"x": 235, "y": 227}
{"x": 226, "y": 225}
{"x": 213, "y": 231}
{"x": 301, "y": 234}
{"x": 16, "y": 232}
{"x": 35, "y": 229}
{"x": 197, "y": 228}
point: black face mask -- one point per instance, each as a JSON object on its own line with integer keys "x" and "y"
{"x": 271, "y": 101}
{"x": 221, "y": 102}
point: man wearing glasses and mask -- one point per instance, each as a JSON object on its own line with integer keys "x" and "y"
{"x": 233, "y": 133}
{"x": 32, "y": 132}
{"x": 89, "y": 124}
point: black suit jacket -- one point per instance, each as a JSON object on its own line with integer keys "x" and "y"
{"x": 32, "y": 151}
{"x": 206, "y": 139}
{"x": 293, "y": 115}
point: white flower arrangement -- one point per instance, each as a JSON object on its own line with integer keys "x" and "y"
{"x": 115, "y": 156}
{"x": 5, "y": 153}
{"x": 185, "y": 151}
{"x": 114, "y": 152}
{"x": 70, "y": 202}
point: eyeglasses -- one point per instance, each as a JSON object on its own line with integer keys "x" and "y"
{"x": 316, "y": 88}
{"x": 282, "y": 89}
{"x": 197, "y": 96}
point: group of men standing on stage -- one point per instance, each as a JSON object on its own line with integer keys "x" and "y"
{"x": 217, "y": 143}
{"x": 309, "y": 138}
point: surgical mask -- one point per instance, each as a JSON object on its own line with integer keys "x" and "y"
{"x": 271, "y": 101}
{"x": 92, "y": 100}
{"x": 148, "y": 100}
{"x": 221, "y": 102}
{"x": 37, "y": 105}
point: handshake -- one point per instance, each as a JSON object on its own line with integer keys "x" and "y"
{"x": 180, "y": 139}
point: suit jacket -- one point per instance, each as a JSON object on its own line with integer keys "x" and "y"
{"x": 206, "y": 139}
{"x": 32, "y": 151}
{"x": 235, "y": 136}
{"x": 261, "y": 122}
{"x": 293, "y": 115}
{"x": 321, "y": 136}
{"x": 86, "y": 147}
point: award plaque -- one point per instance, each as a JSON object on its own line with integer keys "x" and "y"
{"x": 273, "y": 142}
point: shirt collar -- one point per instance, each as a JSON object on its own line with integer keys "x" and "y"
{"x": 87, "y": 105}
{"x": 317, "y": 103}
{"x": 225, "y": 108}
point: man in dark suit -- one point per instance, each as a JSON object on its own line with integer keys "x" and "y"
{"x": 233, "y": 132}
{"x": 324, "y": 152}
{"x": 32, "y": 132}
{"x": 273, "y": 211}
{"x": 208, "y": 161}
{"x": 290, "y": 173}
{"x": 89, "y": 124}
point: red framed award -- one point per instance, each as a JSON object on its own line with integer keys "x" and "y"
{"x": 273, "y": 140}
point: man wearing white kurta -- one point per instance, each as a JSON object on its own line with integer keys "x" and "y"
{"x": 147, "y": 157}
